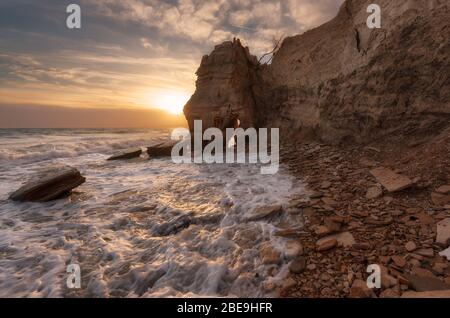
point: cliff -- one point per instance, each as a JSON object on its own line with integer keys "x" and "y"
{"x": 340, "y": 81}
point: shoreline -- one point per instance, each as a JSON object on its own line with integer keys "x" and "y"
{"x": 396, "y": 231}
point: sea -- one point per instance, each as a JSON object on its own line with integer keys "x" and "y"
{"x": 142, "y": 227}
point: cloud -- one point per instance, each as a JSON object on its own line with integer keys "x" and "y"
{"x": 129, "y": 51}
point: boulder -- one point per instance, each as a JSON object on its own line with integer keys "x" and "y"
{"x": 392, "y": 181}
{"x": 163, "y": 149}
{"x": 127, "y": 154}
{"x": 49, "y": 184}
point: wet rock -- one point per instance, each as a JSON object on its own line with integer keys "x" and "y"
{"x": 298, "y": 266}
{"x": 293, "y": 249}
{"x": 162, "y": 149}
{"x": 392, "y": 181}
{"x": 443, "y": 232}
{"x": 148, "y": 282}
{"x": 264, "y": 212}
{"x": 170, "y": 228}
{"x": 127, "y": 154}
{"x": 268, "y": 254}
{"x": 49, "y": 184}
{"x": 374, "y": 193}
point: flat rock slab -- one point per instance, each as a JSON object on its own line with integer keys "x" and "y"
{"x": 446, "y": 254}
{"x": 163, "y": 149}
{"x": 344, "y": 239}
{"x": 127, "y": 154}
{"x": 440, "y": 199}
{"x": 429, "y": 294}
{"x": 264, "y": 212}
{"x": 49, "y": 184}
{"x": 443, "y": 232}
{"x": 392, "y": 181}
{"x": 425, "y": 284}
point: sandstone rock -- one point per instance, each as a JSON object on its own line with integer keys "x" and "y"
{"x": 344, "y": 239}
{"x": 268, "y": 254}
{"x": 293, "y": 249}
{"x": 428, "y": 294}
{"x": 310, "y": 87}
{"x": 399, "y": 261}
{"x": 389, "y": 293}
{"x": 224, "y": 88}
{"x": 440, "y": 199}
{"x": 392, "y": 181}
{"x": 332, "y": 224}
{"x": 422, "y": 272}
{"x": 443, "y": 232}
{"x": 264, "y": 212}
{"x": 411, "y": 246}
{"x": 321, "y": 230}
{"x": 444, "y": 189}
{"x": 49, "y": 184}
{"x": 360, "y": 289}
{"x": 326, "y": 244}
{"x": 298, "y": 266}
{"x": 425, "y": 252}
{"x": 374, "y": 193}
{"x": 127, "y": 154}
{"x": 162, "y": 149}
{"x": 422, "y": 284}
{"x": 446, "y": 254}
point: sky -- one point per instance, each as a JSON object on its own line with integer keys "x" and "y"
{"x": 129, "y": 57}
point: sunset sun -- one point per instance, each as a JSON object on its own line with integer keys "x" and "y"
{"x": 172, "y": 102}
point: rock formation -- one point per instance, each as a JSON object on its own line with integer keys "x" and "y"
{"x": 224, "y": 88}
{"x": 341, "y": 81}
{"x": 49, "y": 184}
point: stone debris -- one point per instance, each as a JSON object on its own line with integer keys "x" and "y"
{"x": 392, "y": 181}
{"x": 374, "y": 193}
{"x": 443, "y": 233}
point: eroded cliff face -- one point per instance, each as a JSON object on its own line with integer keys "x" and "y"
{"x": 224, "y": 88}
{"x": 342, "y": 80}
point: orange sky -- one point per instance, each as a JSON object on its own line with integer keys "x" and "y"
{"x": 136, "y": 56}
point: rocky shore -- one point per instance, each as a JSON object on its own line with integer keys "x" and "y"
{"x": 353, "y": 221}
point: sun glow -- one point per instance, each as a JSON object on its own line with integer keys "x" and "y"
{"x": 172, "y": 102}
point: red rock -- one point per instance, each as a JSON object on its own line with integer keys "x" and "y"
{"x": 440, "y": 199}
{"x": 411, "y": 246}
{"x": 399, "y": 261}
{"x": 326, "y": 244}
{"x": 443, "y": 232}
{"x": 392, "y": 181}
{"x": 264, "y": 212}
{"x": 428, "y": 294}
